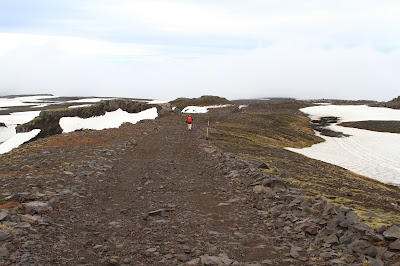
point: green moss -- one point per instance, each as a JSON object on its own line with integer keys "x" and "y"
{"x": 388, "y": 217}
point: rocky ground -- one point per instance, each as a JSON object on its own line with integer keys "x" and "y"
{"x": 156, "y": 194}
{"x": 380, "y": 126}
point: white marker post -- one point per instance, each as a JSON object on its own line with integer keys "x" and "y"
{"x": 208, "y": 125}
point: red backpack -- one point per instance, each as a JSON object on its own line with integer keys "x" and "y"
{"x": 189, "y": 119}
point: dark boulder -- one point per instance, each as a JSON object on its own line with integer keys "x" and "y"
{"x": 360, "y": 246}
{"x": 164, "y": 109}
{"x": 393, "y": 232}
{"x": 274, "y": 183}
{"x": 263, "y": 166}
{"x": 2, "y": 124}
{"x": 177, "y": 110}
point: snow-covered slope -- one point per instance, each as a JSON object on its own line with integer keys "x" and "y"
{"x": 369, "y": 153}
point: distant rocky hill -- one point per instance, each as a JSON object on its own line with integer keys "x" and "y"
{"x": 394, "y": 103}
{"x": 206, "y": 100}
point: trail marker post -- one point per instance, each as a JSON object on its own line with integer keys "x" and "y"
{"x": 208, "y": 125}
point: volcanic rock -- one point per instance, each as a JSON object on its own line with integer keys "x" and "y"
{"x": 393, "y": 232}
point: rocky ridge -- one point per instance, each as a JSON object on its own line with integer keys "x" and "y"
{"x": 48, "y": 120}
{"x": 394, "y": 103}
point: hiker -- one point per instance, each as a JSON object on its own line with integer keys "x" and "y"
{"x": 189, "y": 121}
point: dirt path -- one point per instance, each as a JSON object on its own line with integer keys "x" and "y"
{"x": 197, "y": 212}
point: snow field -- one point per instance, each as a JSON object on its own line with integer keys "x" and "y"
{"x": 24, "y": 101}
{"x": 369, "y": 153}
{"x": 202, "y": 109}
{"x": 348, "y": 113}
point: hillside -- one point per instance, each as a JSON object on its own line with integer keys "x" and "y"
{"x": 394, "y": 103}
{"x": 154, "y": 193}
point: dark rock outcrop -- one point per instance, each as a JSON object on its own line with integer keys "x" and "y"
{"x": 321, "y": 124}
{"x": 48, "y": 120}
{"x": 394, "y": 103}
{"x": 164, "y": 109}
{"x": 205, "y": 100}
{"x": 2, "y": 124}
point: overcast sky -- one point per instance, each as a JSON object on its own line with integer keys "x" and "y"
{"x": 348, "y": 49}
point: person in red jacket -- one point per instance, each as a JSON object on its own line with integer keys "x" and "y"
{"x": 189, "y": 121}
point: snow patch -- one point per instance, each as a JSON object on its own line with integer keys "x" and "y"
{"x": 77, "y": 106}
{"x": 348, "y": 113}
{"x": 12, "y": 120}
{"x": 322, "y": 103}
{"x": 202, "y": 109}
{"x": 110, "y": 120}
{"x": 369, "y": 153}
{"x": 24, "y": 101}
{"x": 243, "y": 106}
{"x": 7, "y": 133}
{"x": 18, "y": 117}
{"x": 157, "y": 102}
{"x": 18, "y": 140}
{"x": 89, "y": 100}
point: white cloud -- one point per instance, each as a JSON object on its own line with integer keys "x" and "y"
{"x": 261, "y": 19}
{"x": 157, "y": 49}
{"x": 71, "y": 45}
{"x": 278, "y": 70}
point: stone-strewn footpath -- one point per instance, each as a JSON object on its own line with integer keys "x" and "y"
{"x": 156, "y": 194}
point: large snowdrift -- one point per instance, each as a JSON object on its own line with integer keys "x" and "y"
{"x": 369, "y": 153}
{"x": 17, "y": 140}
{"x": 109, "y": 120}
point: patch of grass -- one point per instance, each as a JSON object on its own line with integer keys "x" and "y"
{"x": 260, "y": 131}
{"x": 383, "y": 217}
